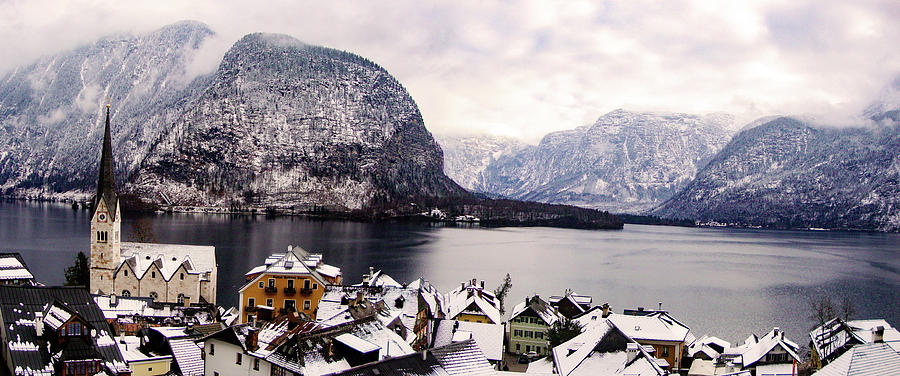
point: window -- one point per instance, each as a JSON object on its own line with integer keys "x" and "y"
{"x": 251, "y": 302}
{"x": 182, "y": 276}
{"x": 152, "y": 274}
{"x": 518, "y": 347}
{"x": 271, "y": 282}
{"x": 73, "y": 329}
{"x": 527, "y": 348}
{"x": 290, "y": 283}
{"x": 306, "y": 283}
{"x": 215, "y": 374}
{"x": 528, "y": 334}
{"x": 126, "y": 293}
{"x": 126, "y": 272}
{"x": 256, "y": 364}
{"x": 664, "y": 351}
{"x": 261, "y": 284}
{"x": 212, "y": 349}
{"x": 238, "y": 358}
{"x": 517, "y": 333}
{"x": 154, "y": 295}
{"x": 290, "y": 304}
{"x": 539, "y": 335}
{"x": 269, "y": 302}
{"x": 315, "y": 286}
{"x": 181, "y": 298}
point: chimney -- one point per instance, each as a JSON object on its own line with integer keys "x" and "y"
{"x": 187, "y": 301}
{"x": 290, "y": 248}
{"x": 775, "y": 332}
{"x": 482, "y": 284}
{"x": 605, "y": 308}
{"x": 424, "y": 355}
{"x": 39, "y": 323}
{"x": 251, "y": 340}
{"x": 631, "y": 350}
{"x": 660, "y": 307}
{"x": 474, "y": 282}
{"x": 113, "y": 300}
{"x": 462, "y": 286}
{"x": 878, "y": 334}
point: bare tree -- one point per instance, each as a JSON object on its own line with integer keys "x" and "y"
{"x": 848, "y": 310}
{"x": 821, "y": 309}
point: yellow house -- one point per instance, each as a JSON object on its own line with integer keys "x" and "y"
{"x": 286, "y": 282}
{"x": 470, "y": 302}
{"x": 140, "y": 363}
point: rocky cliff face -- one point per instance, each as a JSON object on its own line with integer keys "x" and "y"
{"x": 466, "y": 157}
{"x": 52, "y": 111}
{"x": 280, "y": 123}
{"x": 789, "y": 174}
{"x": 625, "y": 162}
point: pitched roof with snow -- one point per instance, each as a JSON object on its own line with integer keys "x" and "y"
{"x": 489, "y": 337}
{"x": 12, "y": 266}
{"x": 654, "y": 327}
{"x": 30, "y": 354}
{"x": 539, "y": 307}
{"x": 868, "y": 359}
{"x": 832, "y": 337}
{"x": 711, "y": 346}
{"x": 472, "y": 300}
{"x": 603, "y": 350}
{"x": 755, "y": 348}
{"x": 197, "y": 259}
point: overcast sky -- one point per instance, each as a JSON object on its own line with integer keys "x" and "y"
{"x": 525, "y": 68}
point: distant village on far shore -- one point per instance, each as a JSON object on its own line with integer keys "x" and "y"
{"x": 151, "y": 309}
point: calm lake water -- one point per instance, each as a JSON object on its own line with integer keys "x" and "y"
{"x": 724, "y": 282}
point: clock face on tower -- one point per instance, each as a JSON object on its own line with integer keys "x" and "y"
{"x": 101, "y": 217}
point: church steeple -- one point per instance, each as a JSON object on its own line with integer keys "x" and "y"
{"x": 106, "y": 184}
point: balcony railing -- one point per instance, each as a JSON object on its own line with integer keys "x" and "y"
{"x": 250, "y": 309}
{"x": 305, "y": 291}
{"x": 290, "y": 291}
{"x": 271, "y": 289}
{"x": 285, "y": 311}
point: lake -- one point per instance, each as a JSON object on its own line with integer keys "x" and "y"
{"x": 723, "y": 282}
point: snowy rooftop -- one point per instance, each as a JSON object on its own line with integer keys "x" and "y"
{"x": 656, "y": 327}
{"x": 582, "y": 355}
{"x": 539, "y": 307}
{"x": 753, "y": 349}
{"x": 474, "y": 300}
{"x": 869, "y": 359}
{"x": 13, "y": 267}
{"x": 169, "y": 257}
{"x": 489, "y": 337}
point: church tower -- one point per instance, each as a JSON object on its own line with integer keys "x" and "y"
{"x": 106, "y": 224}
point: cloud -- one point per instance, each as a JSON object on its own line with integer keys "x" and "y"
{"x": 525, "y": 68}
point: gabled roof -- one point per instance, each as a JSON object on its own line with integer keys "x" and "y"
{"x": 168, "y": 258}
{"x": 870, "y": 359}
{"x": 28, "y": 352}
{"x": 580, "y": 302}
{"x": 599, "y": 351}
{"x": 12, "y": 266}
{"x": 489, "y": 337}
{"x": 539, "y": 307}
{"x": 657, "y": 328}
{"x": 755, "y": 349}
{"x": 294, "y": 262}
{"x": 703, "y": 345}
{"x": 829, "y": 338}
{"x": 461, "y": 358}
{"x": 472, "y": 299}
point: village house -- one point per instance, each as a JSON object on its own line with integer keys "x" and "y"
{"x": 832, "y": 339}
{"x": 180, "y": 343}
{"x": 769, "y": 355}
{"x": 143, "y": 363}
{"x": 667, "y": 336}
{"x": 242, "y": 349}
{"x": 869, "y": 359}
{"x": 471, "y": 302}
{"x": 168, "y": 273}
{"x": 56, "y": 331}
{"x": 287, "y": 282}
{"x": 570, "y": 304}
{"x": 528, "y": 325}
{"x": 602, "y": 349}
{"x": 13, "y": 270}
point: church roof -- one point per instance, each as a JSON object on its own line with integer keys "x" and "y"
{"x": 168, "y": 257}
{"x": 106, "y": 183}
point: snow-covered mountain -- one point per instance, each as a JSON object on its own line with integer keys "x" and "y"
{"x": 624, "y": 162}
{"x": 466, "y": 157}
{"x": 279, "y": 123}
{"x": 789, "y": 174}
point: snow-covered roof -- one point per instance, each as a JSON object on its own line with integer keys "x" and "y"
{"x": 580, "y": 355}
{"x": 473, "y": 300}
{"x": 868, "y": 359}
{"x": 168, "y": 258}
{"x": 702, "y": 345}
{"x": 294, "y": 262}
{"x": 357, "y": 343}
{"x": 654, "y": 327}
{"x": 489, "y": 337}
{"x": 463, "y": 358}
{"x": 832, "y": 336}
{"x": 540, "y": 308}
{"x": 328, "y": 270}
{"x": 188, "y": 356}
{"x": 755, "y": 348}
{"x": 13, "y": 267}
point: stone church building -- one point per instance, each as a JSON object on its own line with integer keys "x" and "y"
{"x": 168, "y": 273}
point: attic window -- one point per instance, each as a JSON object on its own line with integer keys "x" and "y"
{"x": 148, "y": 257}
{"x": 288, "y": 264}
{"x": 174, "y": 259}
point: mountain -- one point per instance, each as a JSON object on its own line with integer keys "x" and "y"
{"x": 466, "y": 157}
{"x": 278, "y": 124}
{"x": 286, "y": 124}
{"x": 51, "y": 112}
{"x": 624, "y": 162}
{"x": 789, "y": 174}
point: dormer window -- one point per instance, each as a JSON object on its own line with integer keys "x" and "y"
{"x": 74, "y": 329}
{"x": 82, "y": 367}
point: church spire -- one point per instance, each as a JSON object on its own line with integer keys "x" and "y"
{"x": 106, "y": 184}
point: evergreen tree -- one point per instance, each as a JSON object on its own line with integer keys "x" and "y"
{"x": 79, "y": 274}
